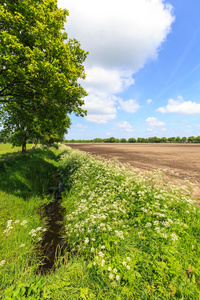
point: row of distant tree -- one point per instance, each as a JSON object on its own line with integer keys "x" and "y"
{"x": 190, "y": 139}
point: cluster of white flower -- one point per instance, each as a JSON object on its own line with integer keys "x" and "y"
{"x": 174, "y": 237}
{"x": 10, "y": 225}
{"x": 2, "y": 262}
{"x": 34, "y": 232}
{"x": 105, "y": 193}
{"x": 8, "y": 228}
{"x": 23, "y": 223}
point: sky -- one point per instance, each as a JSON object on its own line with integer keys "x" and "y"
{"x": 143, "y": 67}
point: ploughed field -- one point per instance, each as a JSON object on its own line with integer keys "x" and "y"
{"x": 183, "y": 159}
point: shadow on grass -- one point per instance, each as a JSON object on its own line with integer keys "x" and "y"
{"x": 29, "y": 174}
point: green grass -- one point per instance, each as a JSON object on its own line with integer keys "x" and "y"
{"x": 7, "y": 149}
{"x": 129, "y": 235}
{"x": 24, "y": 189}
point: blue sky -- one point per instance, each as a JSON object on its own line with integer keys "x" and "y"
{"x": 143, "y": 70}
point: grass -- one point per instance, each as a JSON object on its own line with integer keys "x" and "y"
{"x": 24, "y": 189}
{"x": 7, "y": 149}
{"x": 129, "y": 235}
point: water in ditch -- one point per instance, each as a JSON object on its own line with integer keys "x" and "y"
{"x": 52, "y": 244}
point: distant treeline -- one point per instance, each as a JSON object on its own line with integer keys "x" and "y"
{"x": 190, "y": 139}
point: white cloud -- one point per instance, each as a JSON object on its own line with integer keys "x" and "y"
{"x": 154, "y": 122}
{"x": 121, "y": 36}
{"x": 130, "y": 106}
{"x": 181, "y": 106}
{"x": 125, "y": 126}
{"x": 149, "y": 101}
{"x": 81, "y": 126}
{"x": 107, "y": 133}
{"x": 100, "y": 118}
{"x": 100, "y": 104}
{"x": 102, "y": 80}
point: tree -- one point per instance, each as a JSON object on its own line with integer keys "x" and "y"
{"x": 39, "y": 66}
{"x": 197, "y": 139}
{"x": 123, "y": 140}
{"x": 45, "y": 124}
{"x": 131, "y": 140}
{"x": 97, "y": 140}
{"x": 141, "y": 140}
{"x": 163, "y": 140}
{"x": 184, "y": 139}
{"x": 172, "y": 139}
{"x": 178, "y": 139}
{"x": 191, "y": 139}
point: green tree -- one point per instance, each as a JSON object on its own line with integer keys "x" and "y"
{"x": 131, "y": 140}
{"x": 172, "y": 139}
{"x": 191, "y": 139}
{"x": 178, "y": 139}
{"x": 163, "y": 140}
{"x": 184, "y": 139}
{"x": 123, "y": 140}
{"x": 197, "y": 139}
{"x": 44, "y": 124}
{"x": 97, "y": 140}
{"x": 39, "y": 66}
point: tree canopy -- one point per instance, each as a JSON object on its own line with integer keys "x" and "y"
{"x": 39, "y": 68}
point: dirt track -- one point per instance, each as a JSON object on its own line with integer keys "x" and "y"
{"x": 182, "y": 158}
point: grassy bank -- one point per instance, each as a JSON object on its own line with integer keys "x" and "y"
{"x": 7, "y": 149}
{"x": 24, "y": 189}
{"x": 129, "y": 235}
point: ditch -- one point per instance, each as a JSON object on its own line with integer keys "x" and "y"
{"x": 52, "y": 244}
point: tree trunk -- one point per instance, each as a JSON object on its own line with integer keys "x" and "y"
{"x": 24, "y": 146}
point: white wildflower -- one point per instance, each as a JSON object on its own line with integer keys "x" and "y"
{"x": 9, "y": 223}
{"x": 128, "y": 267}
{"x": 109, "y": 269}
{"x": 3, "y": 262}
{"x": 23, "y": 223}
{"x": 22, "y": 245}
{"x": 115, "y": 270}
{"x": 86, "y": 240}
{"x": 166, "y": 224}
{"x": 111, "y": 276}
{"x": 174, "y": 237}
{"x": 101, "y": 254}
{"x": 33, "y": 231}
{"x": 117, "y": 277}
{"x": 103, "y": 262}
{"x": 124, "y": 263}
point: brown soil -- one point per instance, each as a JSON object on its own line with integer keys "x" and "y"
{"x": 182, "y": 158}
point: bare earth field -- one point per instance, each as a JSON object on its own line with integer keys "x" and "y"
{"x": 182, "y": 158}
